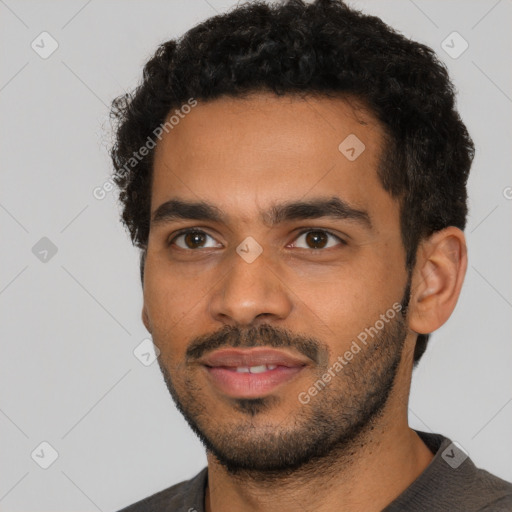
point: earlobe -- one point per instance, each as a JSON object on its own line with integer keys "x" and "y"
{"x": 145, "y": 319}
{"x": 437, "y": 279}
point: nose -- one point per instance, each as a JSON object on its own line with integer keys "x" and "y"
{"x": 250, "y": 292}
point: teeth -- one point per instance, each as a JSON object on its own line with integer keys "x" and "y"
{"x": 256, "y": 369}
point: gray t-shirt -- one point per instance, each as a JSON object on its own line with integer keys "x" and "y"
{"x": 451, "y": 483}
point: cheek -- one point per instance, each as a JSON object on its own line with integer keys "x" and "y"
{"x": 346, "y": 302}
{"x": 341, "y": 309}
{"x": 173, "y": 304}
{"x": 171, "y": 291}
{"x": 336, "y": 303}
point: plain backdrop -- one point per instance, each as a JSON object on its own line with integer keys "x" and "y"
{"x": 70, "y": 294}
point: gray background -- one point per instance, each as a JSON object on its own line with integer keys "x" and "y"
{"x": 70, "y": 324}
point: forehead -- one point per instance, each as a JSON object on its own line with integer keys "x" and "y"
{"x": 264, "y": 148}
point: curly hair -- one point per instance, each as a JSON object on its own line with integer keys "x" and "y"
{"x": 325, "y": 48}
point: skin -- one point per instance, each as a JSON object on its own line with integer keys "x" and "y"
{"x": 244, "y": 155}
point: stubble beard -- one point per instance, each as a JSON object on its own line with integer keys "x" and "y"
{"x": 328, "y": 429}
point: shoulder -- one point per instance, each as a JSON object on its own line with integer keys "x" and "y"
{"x": 453, "y": 483}
{"x": 498, "y": 492}
{"x": 186, "y": 496}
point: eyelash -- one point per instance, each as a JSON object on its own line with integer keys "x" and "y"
{"x": 309, "y": 230}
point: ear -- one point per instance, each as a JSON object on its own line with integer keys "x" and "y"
{"x": 437, "y": 279}
{"x": 143, "y": 254}
{"x": 145, "y": 319}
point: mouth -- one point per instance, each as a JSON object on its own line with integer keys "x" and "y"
{"x": 251, "y": 373}
{"x": 250, "y": 382}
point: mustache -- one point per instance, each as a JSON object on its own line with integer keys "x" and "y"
{"x": 264, "y": 335}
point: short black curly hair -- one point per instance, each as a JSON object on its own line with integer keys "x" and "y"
{"x": 326, "y": 48}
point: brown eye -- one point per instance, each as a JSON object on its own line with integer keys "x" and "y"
{"x": 316, "y": 239}
{"x": 194, "y": 239}
{"x": 319, "y": 239}
{"x": 191, "y": 239}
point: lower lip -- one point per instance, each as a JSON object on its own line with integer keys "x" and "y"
{"x": 250, "y": 385}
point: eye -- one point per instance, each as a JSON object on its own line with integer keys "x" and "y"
{"x": 192, "y": 239}
{"x": 318, "y": 239}
{"x": 315, "y": 239}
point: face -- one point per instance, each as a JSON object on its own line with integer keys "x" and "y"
{"x": 321, "y": 282}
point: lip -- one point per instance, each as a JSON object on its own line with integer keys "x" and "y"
{"x": 250, "y": 385}
{"x": 253, "y": 357}
{"x": 221, "y": 366}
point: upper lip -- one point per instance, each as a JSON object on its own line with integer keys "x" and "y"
{"x": 252, "y": 357}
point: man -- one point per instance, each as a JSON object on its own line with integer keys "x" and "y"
{"x": 295, "y": 177}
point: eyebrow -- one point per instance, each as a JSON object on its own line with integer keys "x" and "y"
{"x": 334, "y": 208}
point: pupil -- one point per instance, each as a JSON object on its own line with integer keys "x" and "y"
{"x": 194, "y": 238}
{"x": 314, "y": 238}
